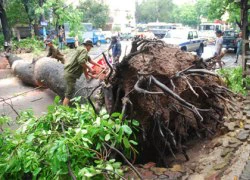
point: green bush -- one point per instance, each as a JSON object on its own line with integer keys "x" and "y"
{"x": 33, "y": 44}
{"x": 42, "y": 147}
{"x": 1, "y": 42}
{"x": 234, "y": 80}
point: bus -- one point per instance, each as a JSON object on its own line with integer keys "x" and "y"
{"x": 160, "y": 28}
{"x": 207, "y": 30}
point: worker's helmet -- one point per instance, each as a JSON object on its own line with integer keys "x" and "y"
{"x": 88, "y": 42}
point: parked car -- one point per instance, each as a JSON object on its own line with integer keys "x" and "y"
{"x": 108, "y": 35}
{"x": 186, "y": 40}
{"x": 144, "y": 34}
{"x": 229, "y": 39}
{"x": 126, "y": 36}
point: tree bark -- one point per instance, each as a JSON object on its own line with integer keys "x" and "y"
{"x": 5, "y": 25}
{"x": 48, "y": 72}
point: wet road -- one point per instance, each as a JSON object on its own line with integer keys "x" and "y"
{"x": 229, "y": 58}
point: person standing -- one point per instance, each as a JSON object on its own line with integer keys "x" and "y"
{"x": 116, "y": 49}
{"x": 239, "y": 46}
{"x": 218, "y": 47}
{"x": 54, "y": 53}
{"x": 61, "y": 38}
{"x": 76, "y": 66}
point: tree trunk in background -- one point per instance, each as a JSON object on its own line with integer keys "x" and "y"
{"x": 5, "y": 25}
{"x": 25, "y": 3}
{"x": 42, "y": 17}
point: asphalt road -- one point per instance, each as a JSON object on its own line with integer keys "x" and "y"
{"x": 229, "y": 58}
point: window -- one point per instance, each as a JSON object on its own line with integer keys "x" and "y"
{"x": 195, "y": 34}
{"x": 190, "y": 35}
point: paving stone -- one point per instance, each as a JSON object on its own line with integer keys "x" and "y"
{"x": 147, "y": 174}
{"x": 247, "y": 121}
{"x": 232, "y": 134}
{"x": 214, "y": 176}
{"x": 226, "y": 151}
{"x": 243, "y": 135}
{"x": 158, "y": 171}
{"x": 176, "y": 168}
{"x": 163, "y": 177}
{"x": 196, "y": 177}
{"x": 235, "y": 145}
{"x": 149, "y": 165}
{"x": 173, "y": 175}
{"x": 230, "y": 126}
{"x": 220, "y": 166}
{"x": 247, "y": 127}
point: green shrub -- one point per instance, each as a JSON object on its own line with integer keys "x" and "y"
{"x": 1, "y": 42}
{"x": 33, "y": 44}
{"x": 42, "y": 147}
{"x": 234, "y": 80}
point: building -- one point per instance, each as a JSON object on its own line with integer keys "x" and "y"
{"x": 122, "y": 14}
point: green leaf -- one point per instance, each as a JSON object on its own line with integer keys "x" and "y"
{"x": 127, "y": 129}
{"x": 115, "y": 114}
{"x": 106, "y": 116}
{"x": 36, "y": 171}
{"x": 57, "y": 100}
{"x": 133, "y": 142}
{"x": 107, "y": 137}
{"x": 126, "y": 142}
{"x": 135, "y": 123}
{"x": 109, "y": 167}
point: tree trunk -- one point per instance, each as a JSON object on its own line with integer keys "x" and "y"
{"x": 48, "y": 72}
{"x": 5, "y": 25}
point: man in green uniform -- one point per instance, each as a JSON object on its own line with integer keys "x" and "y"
{"x": 54, "y": 53}
{"x": 76, "y": 66}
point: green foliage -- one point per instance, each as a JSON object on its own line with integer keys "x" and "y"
{"x": 234, "y": 80}
{"x": 153, "y": 10}
{"x": 94, "y": 12}
{"x": 202, "y": 8}
{"x": 62, "y": 13}
{"x": 16, "y": 13}
{"x": 187, "y": 15}
{"x": 42, "y": 147}
{"x": 216, "y": 9}
{"x": 29, "y": 43}
{"x": 1, "y": 41}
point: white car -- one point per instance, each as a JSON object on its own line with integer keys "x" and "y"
{"x": 186, "y": 40}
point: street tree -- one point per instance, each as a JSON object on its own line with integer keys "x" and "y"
{"x": 94, "y": 12}
{"x": 187, "y": 15}
{"x": 202, "y": 8}
{"x": 16, "y": 13}
{"x": 154, "y": 10}
{"x": 61, "y": 12}
{"x": 218, "y": 8}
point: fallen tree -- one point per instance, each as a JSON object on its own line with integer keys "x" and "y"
{"x": 169, "y": 91}
{"x": 47, "y": 72}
